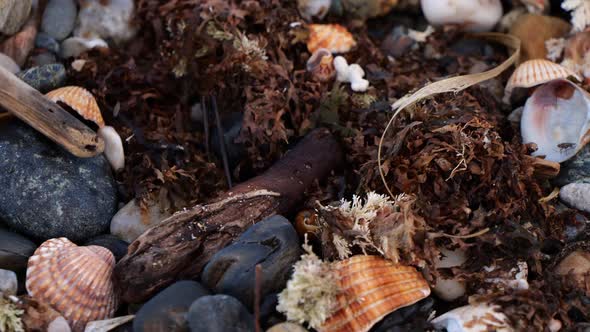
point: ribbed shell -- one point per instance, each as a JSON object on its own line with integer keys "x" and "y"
{"x": 333, "y": 37}
{"x": 372, "y": 287}
{"x": 536, "y": 72}
{"x": 76, "y": 281}
{"x": 80, "y": 100}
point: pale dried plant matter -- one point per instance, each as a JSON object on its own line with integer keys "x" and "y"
{"x": 555, "y": 48}
{"x": 580, "y": 10}
{"x": 10, "y": 319}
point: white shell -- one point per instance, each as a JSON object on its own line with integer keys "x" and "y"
{"x": 474, "y": 15}
{"x": 449, "y": 289}
{"x": 113, "y": 147}
{"x": 313, "y": 8}
{"x": 473, "y": 318}
{"x": 536, "y": 72}
{"x": 555, "y": 118}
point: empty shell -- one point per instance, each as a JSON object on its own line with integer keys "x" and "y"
{"x": 473, "y": 318}
{"x": 80, "y": 100}
{"x": 536, "y": 72}
{"x": 370, "y": 288}
{"x": 76, "y": 281}
{"x": 555, "y": 118}
{"x": 333, "y": 37}
{"x": 321, "y": 66}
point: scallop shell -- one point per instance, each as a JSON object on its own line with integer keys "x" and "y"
{"x": 76, "y": 281}
{"x": 536, "y": 72}
{"x": 79, "y": 99}
{"x": 370, "y": 288}
{"x": 555, "y": 118}
{"x": 474, "y": 318}
{"x": 333, "y": 37}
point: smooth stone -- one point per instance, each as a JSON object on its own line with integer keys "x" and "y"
{"x": 533, "y": 30}
{"x": 43, "y": 40}
{"x": 49, "y": 193}
{"x": 13, "y": 14}
{"x": 576, "y": 195}
{"x": 22, "y": 43}
{"x": 410, "y": 318}
{"x": 576, "y": 169}
{"x": 59, "y": 18}
{"x": 106, "y": 20}
{"x": 117, "y": 246}
{"x": 74, "y": 46}
{"x": 167, "y": 310}
{"x": 273, "y": 243}
{"x": 287, "y": 327}
{"x": 45, "y": 78}
{"x": 219, "y": 313}
{"x": 42, "y": 59}
{"x": 15, "y": 250}
{"x": 59, "y": 324}
{"x": 8, "y": 282}
{"x": 7, "y": 63}
{"x": 130, "y": 221}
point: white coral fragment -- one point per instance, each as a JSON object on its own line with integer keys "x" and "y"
{"x": 350, "y": 73}
{"x": 580, "y": 13}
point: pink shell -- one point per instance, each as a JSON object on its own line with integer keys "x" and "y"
{"x": 536, "y": 72}
{"x": 80, "y": 100}
{"x": 75, "y": 281}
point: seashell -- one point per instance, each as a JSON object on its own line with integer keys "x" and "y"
{"x": 307, "y": 222}
{"x": 474, "y": 318}
{"x": 80, "y": 100}
{"x": 449, "y": 289}
{"x": 321, "y": 66}
{"x": 536, "y": 72}
{"x": 76, "y": 281}
{"x": 481, "y": 15}
{"x": 577, "y": 53}
{"x": 333, "y": 37}
{"x": 555, "y": 118}
{"x": 371, "y": 287}
{"x": 313, "y": 8}
{"x": 113, "y": 147}
{"x": 576, "y": 266}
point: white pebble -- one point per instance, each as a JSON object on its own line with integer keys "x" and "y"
{"x": 113, "y": 147}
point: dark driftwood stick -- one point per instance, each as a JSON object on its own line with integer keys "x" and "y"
{"x": 47, "y": 117}
{"x": 180, "y": 246}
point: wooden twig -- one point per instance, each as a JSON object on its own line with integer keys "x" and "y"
{"x": 545, "y": 169}
{"x": 47, "y": 117}
{"x": 180, "y": 246}
{"x": 257, "y": 295}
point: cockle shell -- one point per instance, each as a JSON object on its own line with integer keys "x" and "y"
{"x": 80, "y": 100}
{"x": 472, "y": 15}
{"x": 473, "y": 318}
{"x": 76, "y": 281}
{"x": 321, "y": 66}
{"x": 370, "y": 288}
{"x": 333, "y": 37}
{"x": 536, "y": 72}
{"x": 555, "y": 118}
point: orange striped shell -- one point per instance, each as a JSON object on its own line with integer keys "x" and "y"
{"x": 370, "y": 288}
{"x": 75, "y": 281}
{"x": 536, "y": 72}
{"x": 79, "y": 99}
{"x": 333, "y": 37}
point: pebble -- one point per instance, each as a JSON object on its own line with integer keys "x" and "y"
{"x": 449, "y": 289}
{"x": 397, "y": 43}
{"x": 576, "y": 195}
{"x": 411, "y": 318}
{"x": 15, "y": 250}
{"x": 130, "y": 221}
{"x": 287, "y": 327}
{"x": 8, "y": 282}
{"x": 49, "y": 193}
{"x": 59, "y": 18}
{"x": 117, "y": 246}
{"x": 219, "y": 313}
{"x": 45, "y": 78}
{"x": 533, "y": 30}
{"x": 106, "y": 20}
{"x": 20, "y": 45}
{"x": 167, "y": 310}
{"x": 273, "y": 243}
{"x": 576, "y": 169}
{"x": 7, "y": 63}
{"x": 43, "y": 59}
{"x": 74, "y": 46}
{"x": 13, "y": 14}
{"x": 43, "y": 40}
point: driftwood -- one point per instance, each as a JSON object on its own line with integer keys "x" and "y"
{"x": 180, "y": 246}
{"x": 47, "y": 117}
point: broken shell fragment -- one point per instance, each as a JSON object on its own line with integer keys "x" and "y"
{"x": 536, "y": 72}
{"x": 80, "y": 100}
{"x": 471, "y": 15}
{"x": 313, "y": 8}
{"x": 76, "y": 281}
{"x": 321, "y": 66}
{"x": 473, "y": 318}
{"x": 555, "y": 118}
{"x": 113, "y": 147}
{"x": 576, "y": 266}
{"x": 333, "y": 37}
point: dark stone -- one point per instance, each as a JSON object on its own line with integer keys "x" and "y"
{"x": 49, "y": 193}
{"x": 231, "y": 130}
{"x": 273, "y": 243}
{"x": 412, "y": 318}
{"x": 576, "y": 169}
{"x": 166, "y": 312}
{"x": 117, "y": 246}
{"x": 219, "y": 313}
{"x": 15, "y": 250}
{"x": 397, "y": 43}
{"x": 47, "y": 42}
{"x": 44, "y": 78}
{"x": 472, "y": 48}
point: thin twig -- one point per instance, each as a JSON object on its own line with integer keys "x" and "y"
{"x": 257, "y": 296}
{"x": 221, "y": 142}
{"x": 205, "y": 111}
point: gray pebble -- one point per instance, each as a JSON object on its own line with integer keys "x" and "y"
{"x": 13, "y": 14}
{"x": 8, "y": 282}
{"x": 219, "y": 313}
{"x": 59, "y": 18}
{"x": 7, "y": 63}
{"x": 576, "y": 195}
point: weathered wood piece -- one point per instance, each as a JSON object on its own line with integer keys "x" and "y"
{"x": 180, "y": 246}
{"x": 47, "y": 117}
